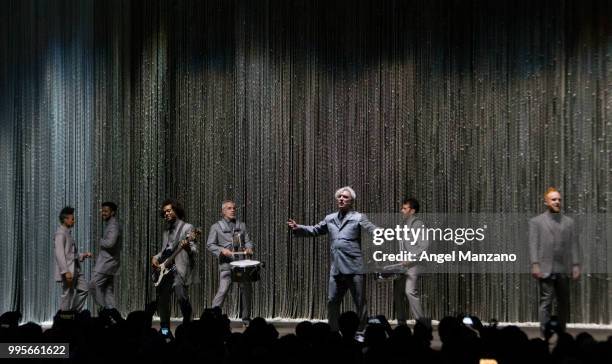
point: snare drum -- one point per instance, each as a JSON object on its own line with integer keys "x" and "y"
{"x": 245, "y": 270}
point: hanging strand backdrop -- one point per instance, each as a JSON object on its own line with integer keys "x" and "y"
{"x": 471, "y": 106}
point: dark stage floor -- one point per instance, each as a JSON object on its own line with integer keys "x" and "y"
{"x": 284, "y": 327}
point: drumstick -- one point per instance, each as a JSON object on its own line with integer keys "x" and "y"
{"x": 393, "y": 266}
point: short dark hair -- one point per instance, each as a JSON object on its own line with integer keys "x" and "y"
{"x": 110, "y": 205}
{"x": 68, "y": 210}
{"x": 178, "y": 209}
{"x": 413, "y": 202}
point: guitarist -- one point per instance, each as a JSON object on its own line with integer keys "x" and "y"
{"x": 175, "y": 232}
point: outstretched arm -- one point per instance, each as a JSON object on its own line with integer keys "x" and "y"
{"x": 308, "y": 230}
{"x": 367, "y": 225}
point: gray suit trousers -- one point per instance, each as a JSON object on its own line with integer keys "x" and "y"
{"x": 177, "y": 285}
{"x": 74, "y": 298}
{"x": 225, "y": 283}
{"x": 554, "y": 286}
{"x": 338, "y": 285}
{"x": 405, "y": 287}
{"x": 102, "y": 287}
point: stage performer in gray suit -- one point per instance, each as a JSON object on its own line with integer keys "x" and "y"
{"x": 226, "y": 236}
{"x": 344, "y": 229}
{"x": 175, "y": 232}
{"x": 406, "y": 285}
{"x": 554, "y": 254}
{"x": 68, "y": 264}
{"x": 108, "y": 259}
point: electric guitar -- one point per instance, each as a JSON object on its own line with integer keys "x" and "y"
{"x": 167, "y": 258}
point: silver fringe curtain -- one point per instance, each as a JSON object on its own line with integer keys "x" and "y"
{"x": 471, "y": 106}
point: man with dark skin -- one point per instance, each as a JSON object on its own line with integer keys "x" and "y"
{"x": 175, "y": 232}
{"x": 107, "y": 262}
{"x": 68, "y": 264}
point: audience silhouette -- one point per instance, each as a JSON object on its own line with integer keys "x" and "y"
{"x": 110, "y": 337}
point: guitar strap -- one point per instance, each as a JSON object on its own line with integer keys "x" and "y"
{"x": 174, "y": 239}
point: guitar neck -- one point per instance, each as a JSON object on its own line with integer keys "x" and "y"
{"x": 193, "y": 236}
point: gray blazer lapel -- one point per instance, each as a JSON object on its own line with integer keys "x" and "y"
{"x": 224, "y": 226}
{"x": 346, "y": 218}
{"x": 565, "y": 222}
{"x": 410, "y": 221}
{"x": 336, "y": 220}
{"x": 548, "y": 225}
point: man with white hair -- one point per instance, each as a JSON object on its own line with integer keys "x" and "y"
{"x": 344, "y": 229}
{"x": 227, "y": 236}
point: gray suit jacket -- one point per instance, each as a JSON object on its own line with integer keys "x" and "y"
{"x": 107, "y": 261}
{"x": 66, "y": 255}
{"x": 185, "y": 260}
{"x": 221, "y": 237}
{"x": 542, "y": 242}
{"x": 421, "y": 245}
{"x": 345, "y": 240}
